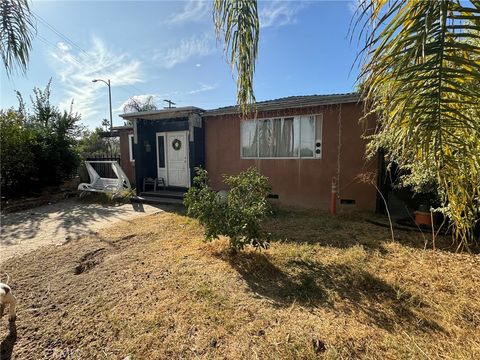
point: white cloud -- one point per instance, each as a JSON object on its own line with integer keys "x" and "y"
{"x": 193, "y": 10}
{"x": 354, "y": 5}
{"x": 279, "y": 13}
{"x": 62, "y": 46}
{"x": 187, "y": 49}
{"x": 203, "y": 88}
{"x": 77, "y": 70}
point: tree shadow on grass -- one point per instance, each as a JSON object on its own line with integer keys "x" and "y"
{"x": 346, "y": 230}
{"x": 68, "y": 220}
{"x": 338, "y": 287}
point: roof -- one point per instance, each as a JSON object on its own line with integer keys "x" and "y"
{"x": 291, "y": 102}
{"x": 169, "y": 113}
{"x": 123, "y": 127}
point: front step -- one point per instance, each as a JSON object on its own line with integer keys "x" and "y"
{"x": 156, "y": 200}
{"x": 164, "y": 194}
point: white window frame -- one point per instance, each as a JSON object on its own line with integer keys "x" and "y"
{"x": 130, "y": 150}
{"x": 318, "y": 117}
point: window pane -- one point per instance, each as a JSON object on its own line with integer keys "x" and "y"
{"x": 132, "y": 148}
{"x": 161, "y": 151}
{"x": 249, "y": 138}
{"x": 307, "y": 131}
{"x": 284, "y": 138}
{"x": 265, "y": 138}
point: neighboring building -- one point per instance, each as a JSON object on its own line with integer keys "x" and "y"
{"x": 300, "y": 143}
{"x": 127, "y": 154}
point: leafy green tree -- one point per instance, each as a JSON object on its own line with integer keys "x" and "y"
{"x": 17, "y": 28}
{"x": 17, "y": 164}
{"x": 92, "y": 144}
{"x": 238, "y": 214}
{"x": 38, "y": 145}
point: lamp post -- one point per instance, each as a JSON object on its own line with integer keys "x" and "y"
{"x": 109, "y": 98}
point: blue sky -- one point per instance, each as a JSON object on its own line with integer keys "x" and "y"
{"x": 168, "y": 49}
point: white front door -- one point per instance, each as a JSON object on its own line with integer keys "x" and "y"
{"x": 177, "y": 158}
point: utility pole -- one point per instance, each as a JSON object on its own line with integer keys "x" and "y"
{"x": 109, "y": 98}
{"x": 170, "y": 103}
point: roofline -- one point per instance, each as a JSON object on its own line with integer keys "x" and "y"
{"x": 280, "y": 104}
{"x": 176, "y": 112}
{"x": 123, "y": 127}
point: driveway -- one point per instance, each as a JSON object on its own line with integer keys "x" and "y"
{"x": 58, "y": 223}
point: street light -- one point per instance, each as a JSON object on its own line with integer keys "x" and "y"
{"x": 109, "y": 98}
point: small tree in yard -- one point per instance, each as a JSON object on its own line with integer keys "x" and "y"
{"x": 239, "y": 215}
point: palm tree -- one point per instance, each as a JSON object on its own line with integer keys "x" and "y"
{"x": 421, "y": 78}
{"x": 17, "y": 29}
{"x": 237, "y": 21}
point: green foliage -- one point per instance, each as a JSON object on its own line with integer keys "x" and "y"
{"x": 37, "y": 148}
{"x": 238, "y": 214}
{"x": 17, "y": 27}
{"x": 17, "y": 160}
{"x": 421, "y": 79}
{"x": 92, "y": 144}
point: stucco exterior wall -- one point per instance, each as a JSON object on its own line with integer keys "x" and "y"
{"x": 301, "y": 182}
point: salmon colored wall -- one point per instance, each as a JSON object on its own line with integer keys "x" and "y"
{"x": 127, "y": 166}
{"x": 300, "y": 182}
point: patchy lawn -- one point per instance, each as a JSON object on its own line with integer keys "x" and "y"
{"x": 328, "y": 287}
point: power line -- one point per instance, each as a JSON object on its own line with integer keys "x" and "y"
{"x": 64, "y": 37}
{"x": 74, "y": 44}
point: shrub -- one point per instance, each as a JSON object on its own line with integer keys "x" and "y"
{"x": 238, "y": 215}
{"x": 17, "y": 163}
{"x": 37, "y": 146}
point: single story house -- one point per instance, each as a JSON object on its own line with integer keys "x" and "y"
{"x": 301, "y": 143}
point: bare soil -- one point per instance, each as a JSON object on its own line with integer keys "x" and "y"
{"x": 57, "y": 223}
{"x": 329, "y": 287}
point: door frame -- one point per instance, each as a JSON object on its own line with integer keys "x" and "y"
{"x": 166, "y": 151}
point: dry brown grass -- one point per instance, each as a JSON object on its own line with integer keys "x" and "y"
{"x": 332, "y": 287}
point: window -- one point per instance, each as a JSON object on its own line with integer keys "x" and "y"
{"x": 131, "y": 147}
{"x": 161, "y": 151}
{"x": 287, "y": 137}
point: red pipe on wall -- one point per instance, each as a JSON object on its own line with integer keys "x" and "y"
{"x": 333, "y": 202}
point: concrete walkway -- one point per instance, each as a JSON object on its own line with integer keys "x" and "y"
{"x": 58, "y": 223}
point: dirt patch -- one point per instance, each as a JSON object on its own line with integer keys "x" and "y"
{"x": 60, "y": 223}
{"x": 89, "y": 260}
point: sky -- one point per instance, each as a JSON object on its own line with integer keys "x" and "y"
{"x": 168, "y": 49}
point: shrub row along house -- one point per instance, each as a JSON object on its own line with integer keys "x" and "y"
{"x": 301, "y": 143}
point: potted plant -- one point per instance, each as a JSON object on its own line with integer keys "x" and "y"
{"x": 423, "y": 216}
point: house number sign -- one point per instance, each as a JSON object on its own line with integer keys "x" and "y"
{"x": 176, "y": 144}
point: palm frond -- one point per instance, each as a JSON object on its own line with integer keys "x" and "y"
{"x": 237, "y": 22}
{"x": 421, "y": 75}
{"x": 17, "y": 28}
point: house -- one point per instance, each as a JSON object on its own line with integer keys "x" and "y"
{"x": 301, "y": 143}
